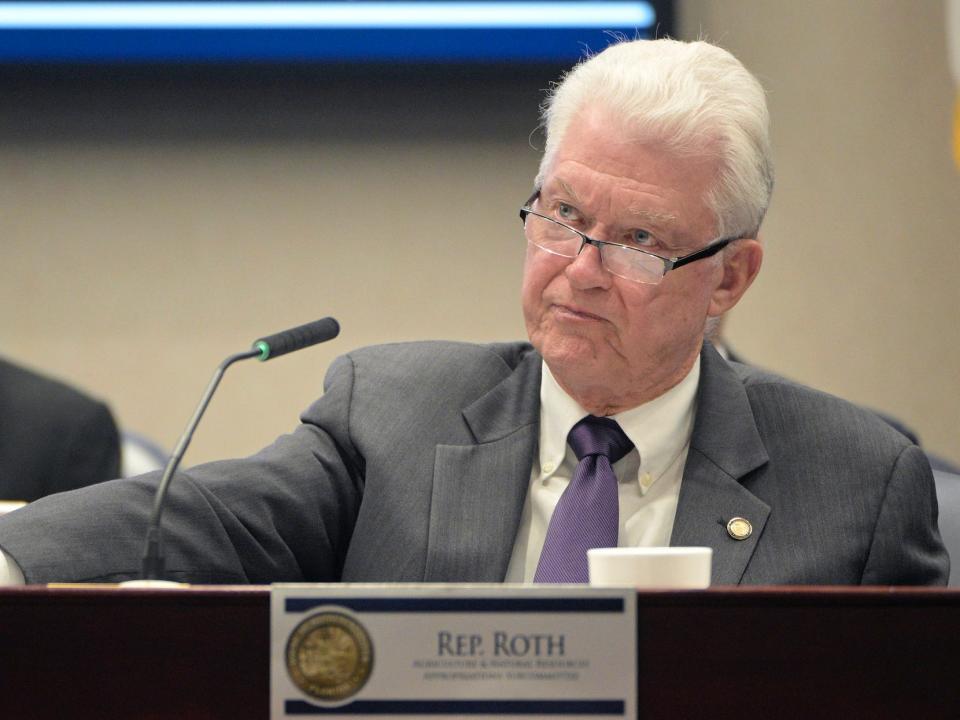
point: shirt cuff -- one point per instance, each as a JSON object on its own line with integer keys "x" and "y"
{"x": 10, "y": 572}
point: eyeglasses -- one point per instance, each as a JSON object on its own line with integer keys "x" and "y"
{"x": 627, "y": 262}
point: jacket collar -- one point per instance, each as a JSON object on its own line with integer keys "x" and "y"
{"x": 724, "y": 449}
{"x": 508, "y": 406}
{"x": 479, "y": 489}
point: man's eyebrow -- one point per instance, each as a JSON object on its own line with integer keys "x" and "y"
{"x": 569, "y": 191}
{"x": 652, "y": 216}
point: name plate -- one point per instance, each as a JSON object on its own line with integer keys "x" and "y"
{"x": 378, "y": 651}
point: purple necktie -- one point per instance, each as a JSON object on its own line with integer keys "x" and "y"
{"x": 588, "y": 513}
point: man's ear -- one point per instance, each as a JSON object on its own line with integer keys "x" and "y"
{"x": 741, "y": 263}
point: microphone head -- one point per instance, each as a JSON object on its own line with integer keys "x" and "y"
{"x": 297, "y": 338}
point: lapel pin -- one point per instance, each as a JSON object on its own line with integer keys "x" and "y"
{"x": 739, "y": 528}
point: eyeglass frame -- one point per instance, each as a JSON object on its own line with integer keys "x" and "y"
{"x": 709, "y": 250}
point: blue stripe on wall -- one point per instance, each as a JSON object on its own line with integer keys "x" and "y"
{"x": 304, "y": 45}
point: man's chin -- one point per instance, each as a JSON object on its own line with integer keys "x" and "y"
{"x": 569, "y": 353}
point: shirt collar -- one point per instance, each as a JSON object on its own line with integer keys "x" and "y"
{"x": 660, "y": 429}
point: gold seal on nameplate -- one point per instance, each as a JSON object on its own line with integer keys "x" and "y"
{"x": 739, "y": 528}
{"x": 329, "y": 656}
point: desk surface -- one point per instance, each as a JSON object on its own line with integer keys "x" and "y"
{"x": 764, "y": 652}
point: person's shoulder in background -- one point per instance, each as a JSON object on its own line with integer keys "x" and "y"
{"x": 53, "y": 437}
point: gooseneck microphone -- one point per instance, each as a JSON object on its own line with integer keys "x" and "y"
{"x": 265, "y": 348}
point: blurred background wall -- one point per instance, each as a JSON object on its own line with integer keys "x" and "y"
{"x": 152, "y": 223}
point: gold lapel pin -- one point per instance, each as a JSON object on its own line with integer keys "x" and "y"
{"x": 739, "y": 528}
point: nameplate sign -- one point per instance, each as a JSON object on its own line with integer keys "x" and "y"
{"x": 484, "y": 651}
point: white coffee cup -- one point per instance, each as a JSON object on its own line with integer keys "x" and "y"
{"x": 650, "y": 567}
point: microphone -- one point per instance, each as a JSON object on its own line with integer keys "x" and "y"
{"x": 297, "y": 338}
{"x": 266, "y": 348}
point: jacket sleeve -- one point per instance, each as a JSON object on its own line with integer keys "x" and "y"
{"x": 285, "y": 514}
{"x": 906, "y": 548}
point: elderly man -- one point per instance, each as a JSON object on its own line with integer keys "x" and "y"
{"x": 616, "y": 425}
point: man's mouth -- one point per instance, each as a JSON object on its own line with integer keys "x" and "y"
{"x": 569, "y": 312}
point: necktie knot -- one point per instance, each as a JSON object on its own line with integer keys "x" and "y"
{"x": 599, "y": 436}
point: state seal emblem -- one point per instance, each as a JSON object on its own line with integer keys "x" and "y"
{"x": 329, "y": 656}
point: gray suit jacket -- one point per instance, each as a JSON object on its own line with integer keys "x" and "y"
{"x": 415, "y": 463}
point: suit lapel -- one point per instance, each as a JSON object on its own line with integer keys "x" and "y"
{"x": 724, "y": 448}
{"x": 479, "y": 488}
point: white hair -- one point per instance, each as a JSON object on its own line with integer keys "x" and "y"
{"x": 691, "y": 98}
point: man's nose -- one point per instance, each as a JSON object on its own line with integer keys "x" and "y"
{"x": 586, "y": 269}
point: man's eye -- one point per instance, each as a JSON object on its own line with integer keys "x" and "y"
{"x": 641, "y": 237}
{"x": 567, "y": 213}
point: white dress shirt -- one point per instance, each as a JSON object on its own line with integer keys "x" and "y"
{"x": 649, "y": 475}
{"x": 10, "y": 573}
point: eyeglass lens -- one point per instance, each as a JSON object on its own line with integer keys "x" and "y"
{"x": 621, "y": 261}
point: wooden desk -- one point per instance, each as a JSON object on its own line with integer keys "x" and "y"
{"x": 741, "y": 653}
